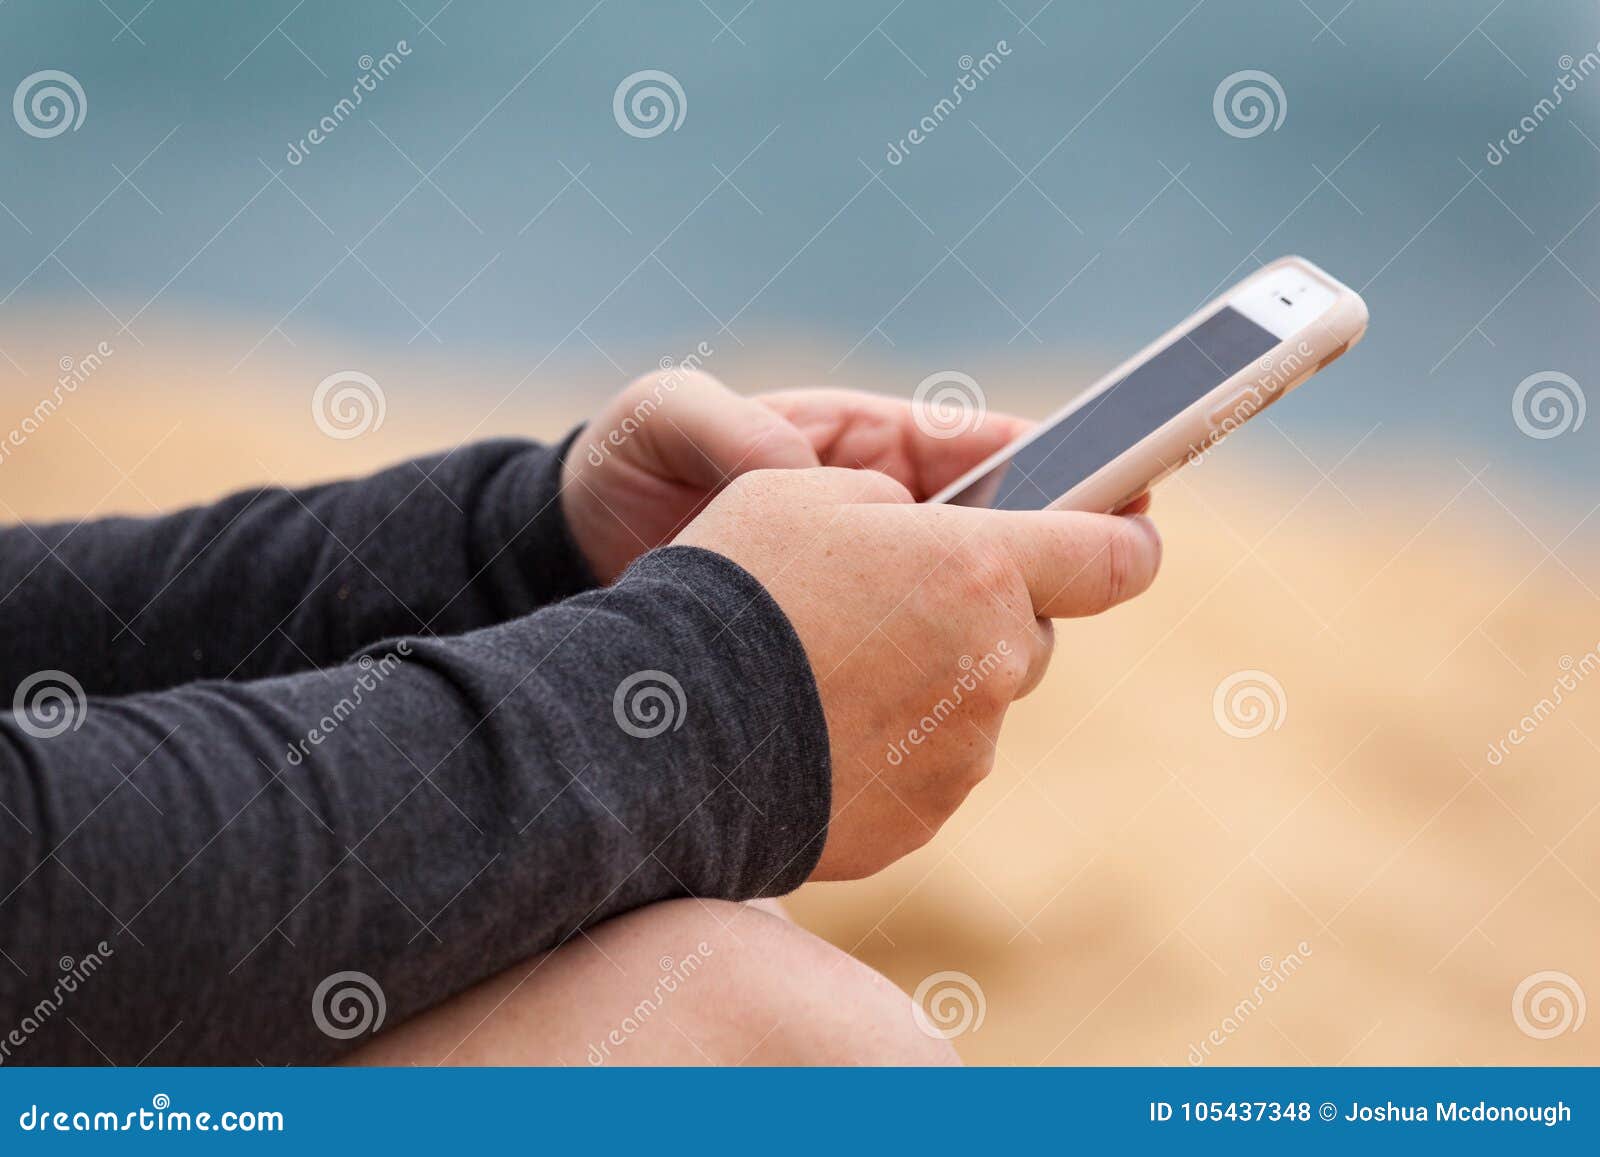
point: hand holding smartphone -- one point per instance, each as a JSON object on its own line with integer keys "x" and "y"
{"x": 1176, "y": 398}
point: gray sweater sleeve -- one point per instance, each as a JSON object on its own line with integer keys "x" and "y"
{"x": 270, "y": 580}
{"x": 205, "y": 874}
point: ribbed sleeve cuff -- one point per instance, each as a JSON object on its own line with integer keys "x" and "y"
{"x": 527, "y": 550}
{"x": 768, "y": 737}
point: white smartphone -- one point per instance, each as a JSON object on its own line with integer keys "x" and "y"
{"x": 1176, "y": 398}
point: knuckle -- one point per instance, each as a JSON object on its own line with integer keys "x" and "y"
{"x": 975, "y": 770}
{"x": 1117, "y": 568}
{"x": 650, "y": 389}
{"x": 1014, "y": 670}
{"x": 983, "y": 571}
{"x": 1128, "y": 565}
{"x": 1001, "y": 673}
{"x": 880, "y": 487}
{"x": 753, "y": 488}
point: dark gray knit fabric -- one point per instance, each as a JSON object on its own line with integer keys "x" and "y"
{"x": 386, "y": 727}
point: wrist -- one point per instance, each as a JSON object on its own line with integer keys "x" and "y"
{"x": 761, "y": 731}
{"x": 526, "y": 550}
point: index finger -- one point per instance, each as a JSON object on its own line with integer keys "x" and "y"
{"x": 925, "y": 446}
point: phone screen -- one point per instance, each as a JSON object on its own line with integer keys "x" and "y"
{"x": 1083, "y": 441}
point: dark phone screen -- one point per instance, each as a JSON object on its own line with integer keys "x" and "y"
{"x": 1086, "y": 439}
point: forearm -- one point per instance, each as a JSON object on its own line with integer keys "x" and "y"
{"x": 480, "y": 801}
{"x": 270, "y": 581}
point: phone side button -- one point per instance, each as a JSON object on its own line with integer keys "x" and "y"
{"x": 1334, "y": 356}
{"x": 1231, "y": 414}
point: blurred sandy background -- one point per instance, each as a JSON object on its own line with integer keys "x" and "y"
{"x": 1115, "y": 889}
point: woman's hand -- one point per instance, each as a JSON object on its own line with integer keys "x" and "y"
{"x": 670, "y": 442}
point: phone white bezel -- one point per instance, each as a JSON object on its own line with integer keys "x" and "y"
{"x": 1272, "y": 297}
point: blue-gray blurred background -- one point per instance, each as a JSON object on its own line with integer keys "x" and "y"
{"x": 1080, "y": 199}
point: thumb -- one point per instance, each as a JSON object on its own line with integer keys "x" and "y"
{"x": 705, "y": 434}
{"x": 1075, "y": 564}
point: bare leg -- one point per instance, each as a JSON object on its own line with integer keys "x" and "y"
{"x": 685, "y": 982}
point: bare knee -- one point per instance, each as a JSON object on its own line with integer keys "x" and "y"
{"x": 680, "y": 982}
{"x": 779, "y": 995}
